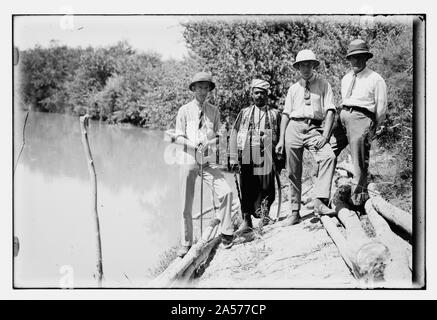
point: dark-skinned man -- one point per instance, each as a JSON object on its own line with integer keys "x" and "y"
{"x": 253, "y": 137}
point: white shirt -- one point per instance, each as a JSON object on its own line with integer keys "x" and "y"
{"x": 320, "y": 95}
{"x": 369, "y": 91}
{"x": 187, "y": 125}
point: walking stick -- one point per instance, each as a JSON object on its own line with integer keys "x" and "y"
{"x": 201, "y": 191}
{"x": 237, "y": 186}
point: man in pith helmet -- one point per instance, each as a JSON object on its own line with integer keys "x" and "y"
{"x": 364, "y": 106}
{"x": 309, "y": 102}
{"x": 197, "y": 124}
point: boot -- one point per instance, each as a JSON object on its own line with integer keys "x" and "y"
{"x": 291, "y": 219}
{"x": 226, "y": 240}
{"x": 246, "y": 225}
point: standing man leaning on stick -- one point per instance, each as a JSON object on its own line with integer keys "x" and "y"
{"x": 197, "y": 123}
{"x": 364, "y": 101}
{"x": 309, "y": 101}
{"x": 254, "y": 134}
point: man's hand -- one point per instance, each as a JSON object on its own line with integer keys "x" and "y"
{"x": 279, "y": 147}
{"x": 235, "y": 167}
{"x": 203, "y": 147}
{"x": 320, "y": 142}
{"x": 316, "y": 142}
{"x": 201, "y": 152}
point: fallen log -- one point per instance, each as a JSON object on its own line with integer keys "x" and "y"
{"x": 365, "y": 256}
{"x": 181, "y": 269}
{"x": 366, "y": 260}
{"x": 393, "y": 214}
{"x": 189, "y": 273}
{"x": 398, "y": 269}
{"x": 399, "y": 218}
{"x": 351, "y": 222}
{"x": 346, "y": 252}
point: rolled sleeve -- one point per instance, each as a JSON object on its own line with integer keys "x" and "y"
{"x": 288, "y": 103}
{"x": 381, "y": 101}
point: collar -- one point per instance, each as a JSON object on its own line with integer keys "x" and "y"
{"x": 263, "y": 108}
{"x": 198, "y": 105}
{"x": 361, "y": 73}
{"x": 302, "y": 80}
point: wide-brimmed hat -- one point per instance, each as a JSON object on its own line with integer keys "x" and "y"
{"x": 202, "y": 77}
{"x": 358, "y": 46}
{"x": 305, "y": 55}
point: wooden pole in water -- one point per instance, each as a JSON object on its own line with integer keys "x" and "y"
{"x": 84, "y": 122}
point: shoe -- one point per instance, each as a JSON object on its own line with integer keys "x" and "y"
{"x": 246, "y": 225}
{"x": 183, "y": 251}
{"x": 227, "y": 240}
{"x": 322, "y": 209}
{"x": 291, "y": 219}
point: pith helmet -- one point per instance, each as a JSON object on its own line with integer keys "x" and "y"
{"x": 202, "y": 77}
{"x": 305, "y": 55}
{"x": 358, "y": 46}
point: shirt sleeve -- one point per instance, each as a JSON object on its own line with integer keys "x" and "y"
{"x": 233, "y": 147}
{"x": 380, "y": 101}
{"x": 288, "y": 103}
{"x": 181, "y": 123}
{"x": 343, "y": 89}
{"x": 328, "y": 98}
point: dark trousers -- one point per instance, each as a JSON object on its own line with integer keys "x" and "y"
{"x": 254, "y": 189}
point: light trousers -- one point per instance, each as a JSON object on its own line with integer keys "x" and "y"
{"x": 215, "y": 180}
{"x": 298, "y": 136}
{"x": 355, "y": 130}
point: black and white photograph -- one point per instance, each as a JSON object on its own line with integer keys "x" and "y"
{"x": 224, "y": 151}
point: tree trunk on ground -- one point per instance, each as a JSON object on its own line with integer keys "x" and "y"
{"x": 398, "y": 269}
{"x": 345, "y": 249}
{"x": 181, "y": 270}
{"x": 367, "y": 256}
{"x": 393, "y": 214}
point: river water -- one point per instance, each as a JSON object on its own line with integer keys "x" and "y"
{"x": 138, "y": 203}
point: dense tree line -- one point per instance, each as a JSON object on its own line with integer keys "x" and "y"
{"x": 114, "y": 84}
{"x": 119, "y": 84}
{"x": 240, "y": 50}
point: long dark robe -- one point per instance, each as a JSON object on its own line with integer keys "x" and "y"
{"x": 256, "y": 188}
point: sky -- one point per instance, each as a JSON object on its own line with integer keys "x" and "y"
{"x": 159, "y": 33}
{"x": 162, "y": 34}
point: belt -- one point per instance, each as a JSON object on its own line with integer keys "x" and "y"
{"x": 308, "y": 121}
{"x": 364, "y": 111}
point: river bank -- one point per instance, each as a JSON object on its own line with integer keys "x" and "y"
{"x": 281, "y": 256}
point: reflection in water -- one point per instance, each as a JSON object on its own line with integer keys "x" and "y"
{"x": 138, "y": 203}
